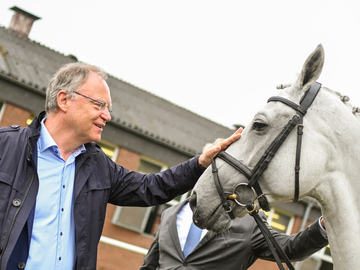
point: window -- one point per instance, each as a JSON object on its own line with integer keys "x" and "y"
{"x": 29, "y": 121}
{"x": 148, "y": 167}
{"x": 144, "y": 219}
{"x": 283, "y": 222}
{"x": 111, "y": 150}
{"x": 326, "y": 261}
{"x": 321, "y": 260}
{"x": 2, "y": 109}
{"x": 280, "y": 220}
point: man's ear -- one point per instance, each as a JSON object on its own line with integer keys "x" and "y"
{"x": 63, "y": 100}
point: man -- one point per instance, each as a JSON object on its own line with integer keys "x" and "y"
{"x": 55, "y": 182}
{"x": 237, "y": 248}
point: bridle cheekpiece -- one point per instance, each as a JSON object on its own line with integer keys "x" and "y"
{"x": 254, "y": 174}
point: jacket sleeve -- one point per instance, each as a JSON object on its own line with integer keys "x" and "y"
{"x": 297, "y": 247}
{"x": 151, "y": 260}
{"x": 131, "y": 188}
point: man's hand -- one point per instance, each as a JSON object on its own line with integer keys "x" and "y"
{"x": 211, "y": 150}
{"x": 322, "y": 223}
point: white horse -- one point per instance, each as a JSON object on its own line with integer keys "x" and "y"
{"x": 329, "y": 161}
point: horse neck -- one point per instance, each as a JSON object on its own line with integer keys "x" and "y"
{"x": 342, "y": 226}
{"x": 338, "y": 191}
{"x": 342, "y": 127}
{"x": 342, "y": 132}
{"x": 340, "y": 209}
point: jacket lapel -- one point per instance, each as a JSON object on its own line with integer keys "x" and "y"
{"x": 172, "y": 226}
{"x": 86, "y": 169}
{"x": 207, "y": 237}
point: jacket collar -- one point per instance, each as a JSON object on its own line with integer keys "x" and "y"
{"x": 36, "y": 123}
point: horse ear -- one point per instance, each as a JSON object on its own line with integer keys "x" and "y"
{"x": 311, "y": 69}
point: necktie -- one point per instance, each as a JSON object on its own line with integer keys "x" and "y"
{"x": 192, "y": 239}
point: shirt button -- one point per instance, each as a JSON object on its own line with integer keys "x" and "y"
{"x": 21, "y": 265}
{"x": 61, "y": 233}
{"x": 16, "y": 202}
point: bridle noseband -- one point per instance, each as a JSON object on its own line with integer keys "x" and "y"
{"x": 260, "y": 167}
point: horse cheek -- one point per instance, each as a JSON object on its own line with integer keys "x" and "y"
{"x": 279, "y": 178}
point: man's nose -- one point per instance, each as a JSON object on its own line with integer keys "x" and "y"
{"x": 106, "y": 115}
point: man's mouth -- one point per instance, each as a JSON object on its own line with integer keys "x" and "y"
{"x": 99, "y": 126}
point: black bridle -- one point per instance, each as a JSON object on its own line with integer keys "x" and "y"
{"x": 260, "y": 167}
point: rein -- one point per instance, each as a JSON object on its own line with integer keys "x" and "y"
{"x": 260, "y": 167}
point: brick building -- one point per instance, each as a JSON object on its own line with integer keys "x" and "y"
{"x": 146, "y": 133}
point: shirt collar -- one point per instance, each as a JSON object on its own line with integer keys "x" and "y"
{"x": 46, "y": 141}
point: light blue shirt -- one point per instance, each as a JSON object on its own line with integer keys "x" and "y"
{"x": 53, "y": 237}
{"x": 183, "y": 223}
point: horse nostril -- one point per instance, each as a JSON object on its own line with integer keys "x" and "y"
{"x": 192, "y": 201}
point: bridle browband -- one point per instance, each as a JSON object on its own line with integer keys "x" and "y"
{"x": 260, "y": 167}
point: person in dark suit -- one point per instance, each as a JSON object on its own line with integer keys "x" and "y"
{"x": 237, "y": 248}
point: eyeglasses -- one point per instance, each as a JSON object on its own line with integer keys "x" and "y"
{"x": 102, "y": 105}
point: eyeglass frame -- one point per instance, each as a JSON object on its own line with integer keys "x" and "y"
{"x": 102, "y": 105}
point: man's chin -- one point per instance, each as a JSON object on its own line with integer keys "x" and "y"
{"x": 95, "y": 138}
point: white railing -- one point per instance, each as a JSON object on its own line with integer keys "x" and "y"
{"x": 120, "y": 244}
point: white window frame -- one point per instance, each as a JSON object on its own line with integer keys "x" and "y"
{"x": 110, "y": 145}
{"x": 144, "y": 211}
{"x": 320, "y": 256}
{"x": 282, "y": 212}
{"x": 2, "y": 110}
{"x": 140, "y": 228}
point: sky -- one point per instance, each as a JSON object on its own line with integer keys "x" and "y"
{"x": 219, "y": 59}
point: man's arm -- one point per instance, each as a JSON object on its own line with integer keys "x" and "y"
{"x": 137, "y": 189}
{"x": 297, "y": 247}
{"x": 151, "y": 260}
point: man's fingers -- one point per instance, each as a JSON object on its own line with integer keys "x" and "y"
{"x": 225, "y": 143}
{"x": 211, "y": 151}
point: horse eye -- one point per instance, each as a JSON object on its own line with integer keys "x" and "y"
{"x": 259, "y": 126}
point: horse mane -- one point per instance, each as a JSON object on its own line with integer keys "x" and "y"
{"x": 345, "y": 99}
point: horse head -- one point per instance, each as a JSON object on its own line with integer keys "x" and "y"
{"x": 277, "y": 181}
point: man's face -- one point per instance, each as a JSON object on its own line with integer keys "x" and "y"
{"x": 84, "y": 117}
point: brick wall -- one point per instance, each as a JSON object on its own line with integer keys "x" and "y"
{"x": 14, "y": 115}
{"x": 128, "y": 159}
{"x": 110, "y": 257}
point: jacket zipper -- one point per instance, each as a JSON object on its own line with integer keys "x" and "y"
{"x": 76, "y": 172}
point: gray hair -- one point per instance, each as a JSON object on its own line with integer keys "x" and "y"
{"x": 69, "y": 77}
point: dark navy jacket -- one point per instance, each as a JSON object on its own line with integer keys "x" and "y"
{"x": 98, "y": 181}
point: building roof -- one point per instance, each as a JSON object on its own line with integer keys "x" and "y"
{"x": 32, "y": 64}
